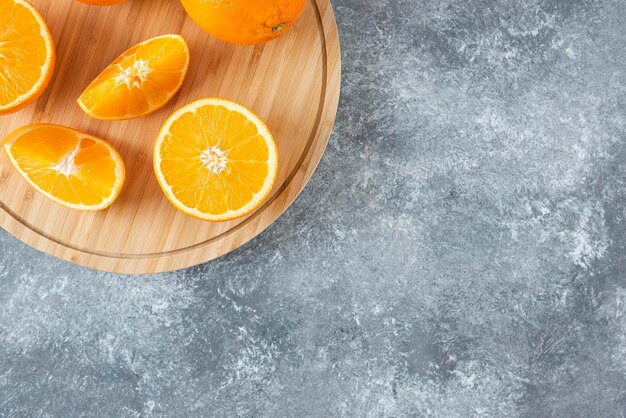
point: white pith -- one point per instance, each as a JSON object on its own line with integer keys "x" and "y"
{"x": 66, "y": 166}
{"x": 135, "y": 75}
{"x": 214, "y": 159}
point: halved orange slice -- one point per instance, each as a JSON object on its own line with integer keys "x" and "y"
{"x": 26, "y": 55}
{"x": 215, "y": 160}
{"x": 70, "y": 167}
{"x": 140, "y": 81}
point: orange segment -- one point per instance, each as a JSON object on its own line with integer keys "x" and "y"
{"x": 140, "y": 81}
{"x": 26, "y": 55}
{"x": 215, "y": 160}
{"x": 70, "y": 167}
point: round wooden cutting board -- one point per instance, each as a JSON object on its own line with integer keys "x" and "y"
{"x": 292, "y": 83}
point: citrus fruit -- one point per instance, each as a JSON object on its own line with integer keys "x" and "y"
{"x": 26, "y": 55}
{"x": 102, "y": 2}
{"x": 140, "y": 81}
{"x": 244, "y": 22}
{"x": 70, "y": 167}
{"x": 215, "y": 160}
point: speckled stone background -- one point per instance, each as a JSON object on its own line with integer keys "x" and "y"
{"x": 461, "y": 250}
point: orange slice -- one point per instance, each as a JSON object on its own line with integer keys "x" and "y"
{"x": 140, "y": 81}
{"x": 215, "y": 160}
{"x": 70, "y": 167}
{"x": 26, "y": 55}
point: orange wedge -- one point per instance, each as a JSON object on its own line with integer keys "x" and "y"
{"x": 70, "y": 167}
{"x": 26, "y": 55}
{"x": 215, "y": 160}
{"x": 140, "y": 81}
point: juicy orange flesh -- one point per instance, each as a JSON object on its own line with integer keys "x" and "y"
{"x": 39, "y": 151}
{"x": 192, "y": 183}
{"x": 114, "y": 94}
{"x": 22, "y": 51}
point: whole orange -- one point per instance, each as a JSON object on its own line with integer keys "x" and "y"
{"x": 244, "y": 22}
{"x": 102, "y": 2}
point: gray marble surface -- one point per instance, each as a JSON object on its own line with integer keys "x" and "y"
{"x": 459, "y": 252}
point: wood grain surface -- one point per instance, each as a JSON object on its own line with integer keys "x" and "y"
{"x": 292, "y": 83}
